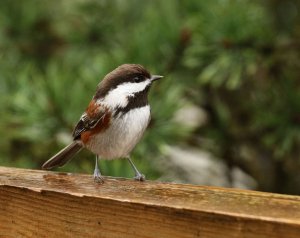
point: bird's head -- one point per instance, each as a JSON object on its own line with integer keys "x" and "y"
{"x": 125, "y": 83}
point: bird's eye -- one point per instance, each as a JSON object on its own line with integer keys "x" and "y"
{"x": 138, "y": 79}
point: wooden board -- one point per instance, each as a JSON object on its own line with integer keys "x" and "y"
{"x": 37, "y": 203}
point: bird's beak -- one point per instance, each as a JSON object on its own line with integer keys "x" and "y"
{"x": 155, "y": 77}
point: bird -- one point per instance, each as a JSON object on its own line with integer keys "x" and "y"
{"x": 114, "y": 120}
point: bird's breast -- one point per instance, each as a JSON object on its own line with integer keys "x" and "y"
{"x": 124, "y": 132}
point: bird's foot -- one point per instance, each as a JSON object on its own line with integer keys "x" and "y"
{"x": 98, "y": 177}
{"x": 140, "y": 177}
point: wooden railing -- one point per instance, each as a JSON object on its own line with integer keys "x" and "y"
{"x": 37, "y": 203}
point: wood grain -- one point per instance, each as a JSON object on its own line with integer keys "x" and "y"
{"x": 37, "y": 203}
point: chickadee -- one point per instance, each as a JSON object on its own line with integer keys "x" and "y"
{"x": 115, "y": 119}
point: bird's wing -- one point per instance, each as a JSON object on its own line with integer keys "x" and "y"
{"x": 95, "y": 115}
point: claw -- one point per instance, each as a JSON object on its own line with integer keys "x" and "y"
{"x": 140, "y": 177}
{"x": 99, "y": 180}
{"x": 97, "y": 177}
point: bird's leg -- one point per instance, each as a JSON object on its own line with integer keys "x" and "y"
{"x": 138, "y": 176}
{"x": 97, "y": 175}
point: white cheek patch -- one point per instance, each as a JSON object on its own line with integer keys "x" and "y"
{"x": 119, "y": 95}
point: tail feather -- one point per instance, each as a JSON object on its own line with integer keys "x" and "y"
{"x": 63, "y": 156}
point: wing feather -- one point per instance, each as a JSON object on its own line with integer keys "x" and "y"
{"x": 92, "y": 117}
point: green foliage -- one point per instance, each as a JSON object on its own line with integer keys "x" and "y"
{"x": 238, "y": 60}
{"x": 50, "y": 75}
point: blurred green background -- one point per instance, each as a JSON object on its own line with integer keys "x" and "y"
{"x": 228, "y": 107}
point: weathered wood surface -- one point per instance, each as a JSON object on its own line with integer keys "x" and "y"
{"x": 46, "y": 204}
